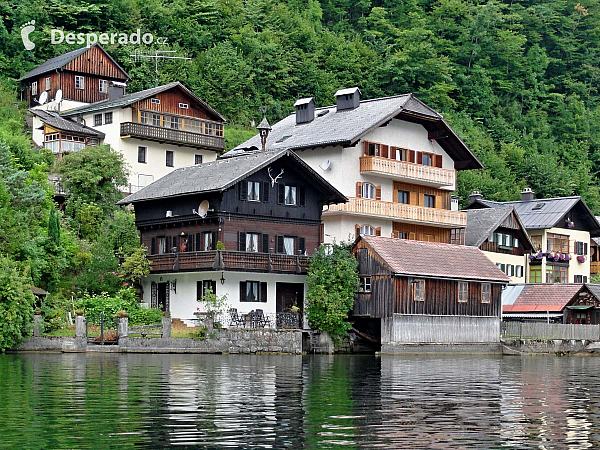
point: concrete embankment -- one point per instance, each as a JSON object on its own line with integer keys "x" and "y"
{"x": 550, "y": 346}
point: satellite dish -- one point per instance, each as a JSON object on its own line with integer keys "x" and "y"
{"x": 43, "y": 98}
{"x": 58, "y": 97}
{"x": 326, "y": 165}
{"x": 203, "y": 208}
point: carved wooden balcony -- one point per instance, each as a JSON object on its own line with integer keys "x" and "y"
{"x": 594, "y": 266}
{"x": 406, "y": 171}
{"x": 171, "y": 136}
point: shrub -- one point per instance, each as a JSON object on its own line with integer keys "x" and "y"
{"x": 16, "y": 305}
{"x": 110, "y": 306}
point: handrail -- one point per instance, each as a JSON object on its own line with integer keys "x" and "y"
{"x": 411, "y": 171}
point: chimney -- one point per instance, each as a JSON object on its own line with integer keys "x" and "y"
{"x": 475, "y": 195}
{"x": 116, "y": 90}
{"x": 453, "y": 203}
{"x": 347, "y": 98}
{"x": 305, "y": 110}
{"x": 527, "y": 195}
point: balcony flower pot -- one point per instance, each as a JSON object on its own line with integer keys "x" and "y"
{"x": 581, "y": 259}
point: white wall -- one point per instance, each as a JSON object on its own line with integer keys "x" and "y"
{"x": 515, "y": 260}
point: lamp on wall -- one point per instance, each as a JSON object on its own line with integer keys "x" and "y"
{"x": 222, "y": 280}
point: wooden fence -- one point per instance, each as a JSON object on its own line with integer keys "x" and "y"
{"x": 534, "y": 330}
{"x": 409, "y": 329}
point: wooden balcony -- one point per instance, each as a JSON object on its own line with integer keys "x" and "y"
{"x": 406, "y": 171}
{"x": 171, "y": 136}
{"x": 594, "y": 266}
{"x": 400, "y": 212}
{"x": 228, "y": 260}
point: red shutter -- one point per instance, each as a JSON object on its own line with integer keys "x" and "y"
{"x": 410, "y": 156}
{"x": 419, "y": 157}
{"x": 392, "y": 152}
{"x": 378, "y": 231}
{"x": 366, "y": 147}
{"x": 384, "y": 151}
{"x": 438, "y": 160}
{"x": 356, "y": 231}
{"x": 377, "y": 192}
{"x": 358, "y": 189}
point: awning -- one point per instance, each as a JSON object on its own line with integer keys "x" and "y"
{"x": 580, "y": 307}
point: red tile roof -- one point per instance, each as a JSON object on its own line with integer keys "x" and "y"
{"x": 435, "y": 260}
{"x": 543, "y": 297}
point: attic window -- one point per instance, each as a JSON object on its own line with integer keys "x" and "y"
{"x": 538, "y": 206}
{"x": 183, "y": 105}
{"x": 284, "y": 138}
{"x": 322, "y": 113}
{"x": 156, "y": 101}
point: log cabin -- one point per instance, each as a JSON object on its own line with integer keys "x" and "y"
{"x": 415, "y": 292}
{"x": 264, "y": 209}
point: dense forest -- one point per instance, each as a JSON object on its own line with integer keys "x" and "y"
{"x": 518, "y": 80}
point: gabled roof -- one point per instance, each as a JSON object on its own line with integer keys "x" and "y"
{"x": 543, "y": 297}
{"x": 54, "y": 120}
{"x": 60, "y": 61}
{"x": 433, "y": 259}
{"x": 481, "y": 223}
{"x": 220, "y": 175}
{"x": 347, "y": 127}
{"x": 129, "y": 99}
{"x": 539, "y": 214}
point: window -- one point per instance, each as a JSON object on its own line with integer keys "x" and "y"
{"x": 155, "y": 119}
{"x": 537, "y": 242}
{"x": 367, "y": 230}
{"x": 368, "y": 191}
{"x": 401, "y": 154}
{"x": 403, "y": 197}
{"x": 486, "y": 293}
{"x": 209, "y": 128}
{"x": 290, "y": 195}
{"x": 142, "y": 153}
{"x": 207, "y": 241}
{"x": 419, "y": 290}
{"x": 365, "y": 284}
{"x": 289, "y": 244}
{"x": 52, "y": 142}
{"x": 97, "y": 120}
{"x": 374, "y": 149}
{"x": 79, "y": 82}
{"x": 556, "y": 274}
{"x": 457, "y": 236}
{"x": 252, "y": 240}
{"x": 219, "y": 129}
{"x": 197, "y": 159}
{"x": 253, "y": 191}
{"x": 203, "y": 286}
{"x": 71, "y": 143}
{"x": 175, "y": 123}
{"x": 427, "y": 159}
{"x": 108, "y": 118}
{"x": 519, "y": 271}
{"x": 253, "y": 291}
{"x": 161, "y": 244}
{"x": 558, "y": 243}
{"x": 429, "y": 201}
{"x": 183, "y": 105}
{"x": 193, "y": 126}
{"x": 535, "y": 274}
{"x": 169, "y": 156}
{"x": 580, "y": 279}
{"x": 103, "y": 86}
{"x": 155, "y": 101}
{"x": 515, "y": 243}
{"x": 581, "y": 248}
{"x": 144, "y": 117}
{"x": 34, "y": 88}
{"x": 48, "y": 83}
{"x": 510, "y": 270}
{"x": 463, "y": 292}
{"x": 401, "y": 234}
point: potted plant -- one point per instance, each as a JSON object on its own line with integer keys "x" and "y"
{"x": 581, "y": 259}
{"x": 122, "y": 314}
{"x": 79, "y": 312}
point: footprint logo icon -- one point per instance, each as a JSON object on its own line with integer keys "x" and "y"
{"x": 26, "y": 30}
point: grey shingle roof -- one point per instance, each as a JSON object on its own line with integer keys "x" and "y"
{"x": 54, "y": 120}
{"x": 135, "y": 97}
{"x": 481, "y": 223}
{"x": 59, "y": 61}
{"x": 222, "y": 174}
{"x": 347, "y": 127}
{"x": 433, "y": 259}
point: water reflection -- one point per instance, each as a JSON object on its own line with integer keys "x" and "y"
{"x": 250, "y": 401}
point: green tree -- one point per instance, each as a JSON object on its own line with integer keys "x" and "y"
{"x": 16, "y": 304}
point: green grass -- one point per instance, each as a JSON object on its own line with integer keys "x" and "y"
{"x": 64, "y": 332}
{"x": 190, "y": 333}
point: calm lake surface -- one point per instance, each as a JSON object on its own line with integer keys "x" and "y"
{"x": 252, "y": 401}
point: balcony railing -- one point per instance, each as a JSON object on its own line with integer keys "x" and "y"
{"x": 403, "y": 170}
{"x": 595, "y": 266}
{"x": 169, "y": 135}
{"x": 400, "y": 211}
{"x": 229, "y": 260}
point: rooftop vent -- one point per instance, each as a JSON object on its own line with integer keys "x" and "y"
{"x": 475, "y": 195}
{"x": 348, "y": 98}
{"x": 305, "y": 110}
{"x": 527, "y": 195}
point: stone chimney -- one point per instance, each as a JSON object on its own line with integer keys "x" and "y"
{"x": 527, "y": 195}
{"x": 475, "y": 195}
{"x": 305, "y": 110}
{"x": 347, "y": 98}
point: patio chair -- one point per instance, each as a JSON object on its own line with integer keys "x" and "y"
{"x": 234, "y": 318}
{"x": 261, "y": 320}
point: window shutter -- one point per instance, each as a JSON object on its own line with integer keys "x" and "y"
{"x": 265, "y": 243}
{"x": 585, "y": 278}
{"x": 243, "y": 190}
{"x": 198, "y": 242}
{"x": 242, "y": 291}
{"x": 280, "y": 194}
{"x": 301, "y": 245}
{"x": 263, "y": 292}
{"x": 384, "y": 151}
{"x": 279, "y": 244}
{"x": 438, "y": 201}
{"x": 366, "y": 147}
{"x": 392, "y": 152}
{"x": 412, "y": 236}
{"x": 175, "y": 244}
{"x": 214, "y": 240}
{"x": 302, "y": 196}
{"x": 377, "y": 192}
{"x": 410, "y": 156}
{"x": 213, "y": 285}
{"x": 419, "y": 157}
{"x": 265, "y": 192}
{"x": 378, "y": 231}
{"x": 168, "y": 244}
{"x": 153, "y": 246}
{"x": 356, "y": 231}
{"x": 199, "y": 285}
{"x": 438, "y": 160}
{"x": 358, "y": 189}
{"x": 242, "y": 241}
{"x": 585, "y": 248}
{"x": 190, "y": 243}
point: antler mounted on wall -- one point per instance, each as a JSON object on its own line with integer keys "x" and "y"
{"x": 274, "y": 180}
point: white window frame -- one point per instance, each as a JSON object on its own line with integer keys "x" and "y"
{"x": 156, "y": 101}
{"x": 184, "y": 105}
{"x": 290, "y": 190}
{"x": 368, "y": 191}
{"x": 365, "y": 284}
{"x": 34, "y": 89}
{"x": 48, "y": 83}
{"x": 418, "y": 290}
{"x": 101, "y": 84}
{"x": 289, "y": 245}
{"x": 486, "y": 293}
{"x": 256, "y": 191}
{"x": 367, "y": 230}
{"x": 253, "y": 242}
{"x": 462, "y": 294}
{"x": 79, "y": 82}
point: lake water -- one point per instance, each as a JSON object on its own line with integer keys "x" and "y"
{"x": 253, "y": 401}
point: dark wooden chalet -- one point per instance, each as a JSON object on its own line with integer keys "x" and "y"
{"x": 402, "y": 281}
{"x": 84, "y": 75}
{"x": 265, "y": 208}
